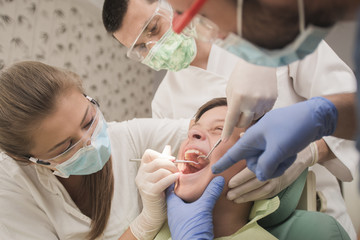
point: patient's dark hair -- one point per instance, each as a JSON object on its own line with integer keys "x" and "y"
{"x": 215, "y": 102}
{"x": 113, "y": 14}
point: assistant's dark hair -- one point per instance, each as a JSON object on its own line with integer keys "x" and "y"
{"x": 215, "y": 102}
{"x": 113, "y": 14}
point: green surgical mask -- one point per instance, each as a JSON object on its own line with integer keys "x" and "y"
{"x": 172, "y": 52}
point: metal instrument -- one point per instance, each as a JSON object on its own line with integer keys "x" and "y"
{"x": 213, "y": 148}
{"x": 176, "y": 161}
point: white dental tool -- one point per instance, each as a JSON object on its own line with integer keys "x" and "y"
{"x": 213, "y": 148}
{"x": 176, "y": 161}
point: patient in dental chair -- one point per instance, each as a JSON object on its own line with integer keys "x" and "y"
{"x": 274, "y": 218}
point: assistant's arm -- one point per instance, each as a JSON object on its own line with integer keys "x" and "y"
{"x": 346, "y": 123}
{"x": 271, "y": 145}
{"x": 324, "y": 73}
{"x": 246, "y": 187}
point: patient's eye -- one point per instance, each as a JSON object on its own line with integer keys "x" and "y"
{"x": 217, "y": 129}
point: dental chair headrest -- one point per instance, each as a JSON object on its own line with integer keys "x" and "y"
{"x": 289, "y": 199}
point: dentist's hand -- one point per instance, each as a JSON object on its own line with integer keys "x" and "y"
{"x": 246, "y": 187}
{"x": 270, "y": 146}
{"x": 193, "y": 220}
{"x": 251, "y": 92}
{"x": 155, "y": 174}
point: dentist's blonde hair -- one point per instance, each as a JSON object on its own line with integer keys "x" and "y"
{"x": 29, "y": 92}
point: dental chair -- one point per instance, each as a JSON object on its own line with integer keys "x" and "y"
{"x": 289, "y": 222}
{"x": 307, "y": 199}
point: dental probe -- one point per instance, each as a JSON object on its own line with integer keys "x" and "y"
{"x": 213, "y": 148}
{"x": 176, "y": 161}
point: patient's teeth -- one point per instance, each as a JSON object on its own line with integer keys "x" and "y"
{"x": 189, "y": 154}
{"x": 192, "y": 151}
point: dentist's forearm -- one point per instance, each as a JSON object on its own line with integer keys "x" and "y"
{"x": 127, "y": 235}
{"x": 346, "y": 107}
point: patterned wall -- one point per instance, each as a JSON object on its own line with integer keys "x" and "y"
{"x": 70, "y": 34}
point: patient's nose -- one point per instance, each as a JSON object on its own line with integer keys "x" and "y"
{"x": 196, "y": 134}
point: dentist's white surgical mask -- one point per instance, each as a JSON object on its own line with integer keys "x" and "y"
{"x": 304, "y": 44}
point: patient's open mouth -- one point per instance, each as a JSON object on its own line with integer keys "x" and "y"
{"x": 192, "y": 154}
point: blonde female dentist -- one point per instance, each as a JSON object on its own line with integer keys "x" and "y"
{"x": 65, "y": 172}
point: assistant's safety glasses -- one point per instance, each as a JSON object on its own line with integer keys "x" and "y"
{"x": 84, "y": 141}
{"x": 154, "y": 28}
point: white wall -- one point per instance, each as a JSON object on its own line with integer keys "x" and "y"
{"x": 341, "y": 39}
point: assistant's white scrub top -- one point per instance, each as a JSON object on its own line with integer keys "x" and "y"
{"x": 181, "y": 93}
{"x": 35, "y": 205}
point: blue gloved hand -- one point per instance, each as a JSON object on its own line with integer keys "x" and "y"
{"x": 193, "y": 220}
{"x": 270, "y": 146}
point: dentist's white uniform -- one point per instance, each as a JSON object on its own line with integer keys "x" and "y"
{"x": 35, "y": 205}
{"x": 181, "y": 93}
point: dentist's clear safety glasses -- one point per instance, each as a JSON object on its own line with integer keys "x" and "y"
{"x": 83, "y": 142}
{"x": 160, "y": 23}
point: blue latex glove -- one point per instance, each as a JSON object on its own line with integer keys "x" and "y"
{"x": 193, "y": 220}
{"x": 270, "y": 146}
